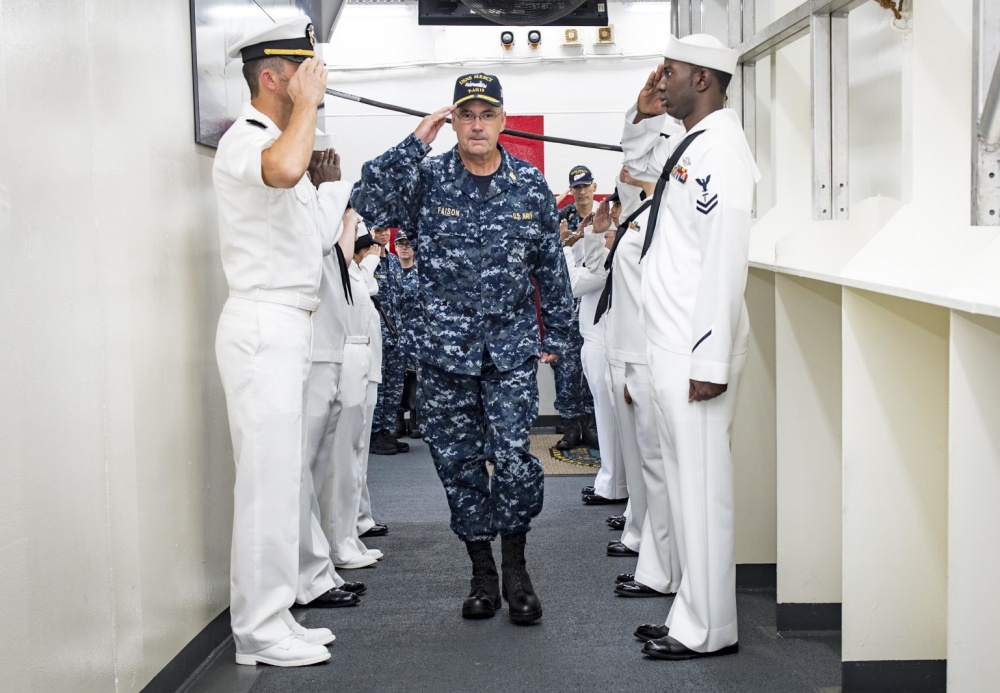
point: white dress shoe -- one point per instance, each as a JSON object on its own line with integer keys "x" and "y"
{"x": 374, "y": 553}
{"x": 290, "y": 652}
{"x": 313, "y": 636}
{"x": 362, "y": 561}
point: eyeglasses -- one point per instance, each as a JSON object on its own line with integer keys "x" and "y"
{"x": 487, "y": 117}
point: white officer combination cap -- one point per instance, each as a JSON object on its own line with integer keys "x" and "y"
{"x": 702, "y": 50}
{"x": 293, "y": 40}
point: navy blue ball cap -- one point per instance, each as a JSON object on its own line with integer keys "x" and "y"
{"x": 580, "y": 175}
{"x": 292, "y": 40}
{"x": 478, "y": 86}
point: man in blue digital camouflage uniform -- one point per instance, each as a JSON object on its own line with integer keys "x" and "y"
{"x": 484, "y": 223}
{"x": 389, "y": 275}
{"x": 407, "y": 300}
{"x": 574, "y": 401}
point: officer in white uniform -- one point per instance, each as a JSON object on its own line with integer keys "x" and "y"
{"x": 695, "y": 319}
{"x": 272, "y": 242}
{"x": 367, "y": 260}
{"x": 336, "y": 387}
{"x": 587, "y": 281}
{"x": 344, "y": 444}
{"x": 364, "y": 273}
{"x": 648, "y": 524}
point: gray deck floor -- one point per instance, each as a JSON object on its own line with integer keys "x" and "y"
{"x": 407, "y": 635}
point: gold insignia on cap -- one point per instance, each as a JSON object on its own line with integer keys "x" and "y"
{"x": 311, "y": 35}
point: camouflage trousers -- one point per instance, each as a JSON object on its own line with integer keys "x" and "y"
{"x": 467, "y": 420}
{"x": 573, "y": 398}
{"x": 390, "y": 390}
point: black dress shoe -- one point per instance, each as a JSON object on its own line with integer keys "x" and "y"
{"x": 594, "y": 499}
{"x": 624, "y": 577}
{"x": 637, "y": 589}
{"x": 587, "y": 491}
{"x": 617, "y": 525}
{"x": 668, "y": 648}
{"x": 332, "y": 599}
{"x": 614, "y": 518}
{"x": 357, "y": 588}
{"x": 378, "y": 530}
{"x": 647, "y": 632}
{"x": 618, "y": 549}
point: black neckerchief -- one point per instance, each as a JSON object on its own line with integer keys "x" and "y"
{"x": 661, "y": 185}
{"x": 604, "y": 302}
{"x": 389, "y": 326}
{"x": 345, "y": 278}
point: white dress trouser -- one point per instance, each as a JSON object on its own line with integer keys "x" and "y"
{"x": 263, "y": 354}
{"x": 365, "y": 519}
{"x": 659, "y": 564}
{"x": 340, "y": 496}
{"x": 610, "y": 480}
{"x": 626, "y": 417}
{"x": 323, "y": 407}
{"x": 694, "y": 437}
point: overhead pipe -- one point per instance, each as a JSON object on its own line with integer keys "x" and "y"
{"x": 511, "y": 133}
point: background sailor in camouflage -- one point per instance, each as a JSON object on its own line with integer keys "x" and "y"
{"x": 484, "y": 224}
{"x": 389, "y": 275}
{"x": 574, "y": 401}
{"x": 407, "y": 301}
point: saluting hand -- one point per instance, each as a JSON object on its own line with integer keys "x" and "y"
{"x": 602, "y": 217}
{"x": 564, "y": 231}
{"x": 324, "y": 167}
{"x": 649, "y": 103}
{"x": 431, "y": 125}
{"x": 573, "y": 237}
{"x": 308, "y": 84}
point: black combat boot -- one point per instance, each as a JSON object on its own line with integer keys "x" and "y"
{"x": 400, "y": 445}
{"x": 382, "y": 444}
{"x": 400, "y": 426}
{"x": 414, "y": 425}
{"x": 572, "y": 436}
{"x": 484, "y": 593}
{"x": 588, "y": 428}
{"x": 522, "y": 601}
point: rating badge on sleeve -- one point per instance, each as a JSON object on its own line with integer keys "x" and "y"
{"x": 707, "y": 202}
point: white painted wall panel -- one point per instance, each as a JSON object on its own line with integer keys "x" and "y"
{"x": 113, "y": 440}
{"x": 809, "y": 378}
{"x": 895, "y": 438}
{"x": 973, "y": 511}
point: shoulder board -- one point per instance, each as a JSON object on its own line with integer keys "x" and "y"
{"x": 257, "y": 123}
